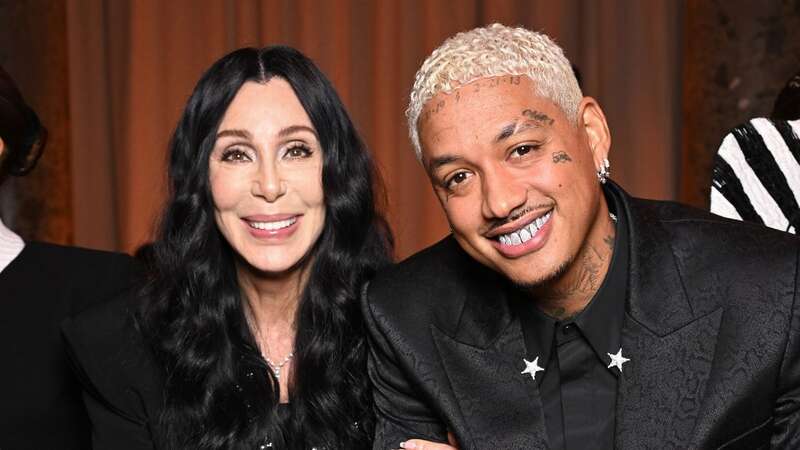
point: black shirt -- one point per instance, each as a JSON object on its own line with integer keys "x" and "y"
{"x": 577, "y": 387}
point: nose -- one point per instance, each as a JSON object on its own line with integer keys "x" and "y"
{"x": 269, "y": 183}
{"x": 501, "y": 193}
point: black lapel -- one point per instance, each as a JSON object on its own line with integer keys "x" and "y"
{"x": 670, "y": 345}
{"x": 482, "y": 358}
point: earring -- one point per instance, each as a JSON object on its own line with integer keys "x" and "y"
{"x": 604, "y": 172}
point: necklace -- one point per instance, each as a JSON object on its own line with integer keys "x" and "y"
{"x": 277, "y": 367}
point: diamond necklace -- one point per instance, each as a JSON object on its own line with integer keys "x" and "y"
{"x": 276, "y": 368}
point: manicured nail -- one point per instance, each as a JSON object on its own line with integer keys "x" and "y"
{"x": 408, "y": 445}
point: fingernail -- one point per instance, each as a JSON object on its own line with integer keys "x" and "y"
{"x": 408, "y": 445}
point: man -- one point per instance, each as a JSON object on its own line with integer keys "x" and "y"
{"x": 40, "y": 285}
{"x": 562, "y": 313}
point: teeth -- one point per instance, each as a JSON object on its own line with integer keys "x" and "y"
{"x": 272, "y": 226}
{"x": 525, "y": 233}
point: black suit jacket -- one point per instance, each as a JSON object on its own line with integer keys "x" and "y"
{"x": 40, "y": 399}
{"x": 711, "y": 329}
{"x": 123, "y": 385}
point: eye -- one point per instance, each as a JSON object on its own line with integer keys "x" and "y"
{"x": 456, "y": 179}
{"x": 522, "y": 150}
{"x": 298, "y": 151}
{"x": 235, "y": 155}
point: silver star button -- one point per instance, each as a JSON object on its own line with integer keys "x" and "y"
{"x": 617, "y": 360}
{"x": 532, "y": 367}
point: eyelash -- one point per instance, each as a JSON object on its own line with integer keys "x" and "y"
{"x": 449, "y": 185}
{"x": 237, "y": 155}
{"x": 306, "y": 150}
{"x": 234, "y": 155}
{"x": 448, "y": 182}
{"x": 530, "y": 147}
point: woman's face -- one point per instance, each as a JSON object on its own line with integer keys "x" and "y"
{"x": 265, "y": 173}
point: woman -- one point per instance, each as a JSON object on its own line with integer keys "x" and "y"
{"x": 248, "y": 332}
{"x": 40, "y": 284}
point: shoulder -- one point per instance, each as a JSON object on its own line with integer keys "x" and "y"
{"x": 745, "y": 262}
{"x": 691, "y": 228}
{"x": 422, "y": 274}
{"x": 111, "y": 358}
{"x": 428, "y": 287}
{"x": 77, "y": 258}
{"x": 85, "y": 275}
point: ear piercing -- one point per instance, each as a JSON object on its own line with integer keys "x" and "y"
{"x": 604, "y": 172}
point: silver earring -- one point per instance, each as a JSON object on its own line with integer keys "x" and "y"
{"x": 604, "y": 172}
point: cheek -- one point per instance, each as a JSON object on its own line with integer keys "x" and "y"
{"x": 463, "y": 213}
{"x": 225, "y": 189}
{"x": 307, "y": 183}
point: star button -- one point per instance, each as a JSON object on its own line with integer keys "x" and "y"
{"x": 617, "y": 360}
{"x": 532, "y": 367}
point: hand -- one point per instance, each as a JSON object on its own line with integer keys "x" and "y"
{"x": 419, "y": 444}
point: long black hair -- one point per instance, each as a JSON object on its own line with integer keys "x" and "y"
{"x": 219, "y": 392}
{"x": 22, "y": 132}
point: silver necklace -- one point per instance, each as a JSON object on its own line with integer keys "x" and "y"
{"x": 277, "y": 367}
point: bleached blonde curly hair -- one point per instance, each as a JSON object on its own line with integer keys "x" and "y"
{"x": 491, "y": 51}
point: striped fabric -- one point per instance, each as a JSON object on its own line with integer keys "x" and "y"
{"x": 757, "y": 174}
{"x": 11, "y": 246}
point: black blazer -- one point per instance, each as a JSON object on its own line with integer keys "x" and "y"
{"x": 711, "y": 328}
{"x": 123, "y": 386}
{"x": 40, "y": 399}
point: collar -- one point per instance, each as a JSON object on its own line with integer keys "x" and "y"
{"x": 11, "y": 246}
{"x": 600, "y": 322}
{"x": 483, "y": 301}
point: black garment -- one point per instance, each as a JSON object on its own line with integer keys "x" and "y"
{"x": 40, "y": 399}
{"x": 577, "y": 387}
{"x": 711, "y": 327}
{"x": 123, "y": 384}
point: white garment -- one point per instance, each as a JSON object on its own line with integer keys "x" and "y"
{"x": 756, "y": 174}
{"x": 11, "y": 246}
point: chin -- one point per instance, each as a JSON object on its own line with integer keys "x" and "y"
{"x": 526, "y": 280}
{"x": 272, "y": 267}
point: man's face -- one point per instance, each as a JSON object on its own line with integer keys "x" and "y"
{"x": 516, "y": 178}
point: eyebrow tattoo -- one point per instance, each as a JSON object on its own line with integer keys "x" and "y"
{"x": 538, "y": 116}
{"x": 506, "y": 132}
{"x": 514, "y": 128}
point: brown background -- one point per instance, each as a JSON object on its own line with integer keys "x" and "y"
{"x": 109, "y": 79}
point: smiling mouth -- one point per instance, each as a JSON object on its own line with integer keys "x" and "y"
{"x": 272, "y": 226}
{"x": 525, "y": 232}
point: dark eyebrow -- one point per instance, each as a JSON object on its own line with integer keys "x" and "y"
{"x": 296, "y": 129}
{"x": 244, "y": 134}
{"x": 514, "y": 128}
{"x": 506, "y": 132}
{"x": 435, "y": 163}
